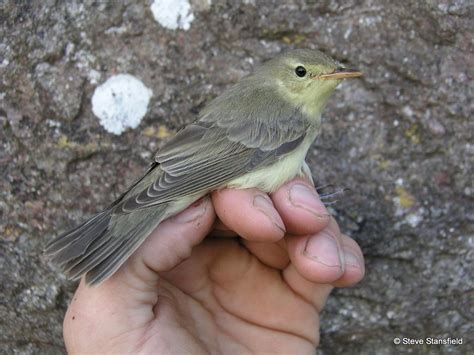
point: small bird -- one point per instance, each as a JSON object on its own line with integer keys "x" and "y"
{"x": 255, "y": 135}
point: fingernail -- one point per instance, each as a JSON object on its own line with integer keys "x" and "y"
{"x": 352, "y": 260}
{"x": 264, "y": 205}
{"x": 324, "y": 249}
{"x": 193, "y": 212}
{"x": 302, "y": 196}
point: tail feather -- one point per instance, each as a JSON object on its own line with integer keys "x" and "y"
{"x": 109, "y": 265}
{"x": 60, "y": 248}
{"x": 102, "y": 244}
{"x": 106, "y": 245}
{"x": 99, "y": 246}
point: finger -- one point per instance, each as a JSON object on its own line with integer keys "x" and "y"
{"x": 354, "y": 270}
{"x": 317, "y": 293}
{"x": 273, "y": 255}
{"x": 299, "y": 206}
{"x": 314, "y": 293}
{"x": 220, "y": 230}
{"x": 250, "y": 213}
{"x": 319, "y": 257}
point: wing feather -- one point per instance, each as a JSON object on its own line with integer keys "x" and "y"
{"x": 227, "y": 141}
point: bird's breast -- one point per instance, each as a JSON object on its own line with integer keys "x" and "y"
{"x": 270, "y": 178}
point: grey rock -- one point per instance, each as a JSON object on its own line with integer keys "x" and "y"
{"x": 60, "y": 91}
{"x": 400, "y": 139}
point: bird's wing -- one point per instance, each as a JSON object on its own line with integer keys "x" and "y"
{"x": 215, "y": 150}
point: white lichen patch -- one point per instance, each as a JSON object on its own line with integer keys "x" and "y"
{"x": 120, "y": 103}
{"x": 173, "y": 14}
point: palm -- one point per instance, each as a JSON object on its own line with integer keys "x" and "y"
{"x": 230, "y": 295}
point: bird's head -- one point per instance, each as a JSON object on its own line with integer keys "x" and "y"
{"x": 304, "y": 77}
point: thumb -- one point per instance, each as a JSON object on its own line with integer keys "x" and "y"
{"x": 168, "y": 245}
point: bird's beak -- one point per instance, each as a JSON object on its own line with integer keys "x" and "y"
{"x": 339, "y": 74}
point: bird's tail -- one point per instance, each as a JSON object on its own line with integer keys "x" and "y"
{"x": 98, "y": 247}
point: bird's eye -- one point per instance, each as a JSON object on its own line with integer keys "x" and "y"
{"x": 300, "y": 71}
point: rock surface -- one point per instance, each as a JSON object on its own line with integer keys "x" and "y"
{"x": 401, "y": 139}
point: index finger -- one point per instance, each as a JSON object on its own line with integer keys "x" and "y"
{"x": 300, "y": 207}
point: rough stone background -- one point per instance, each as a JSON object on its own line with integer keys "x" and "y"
{"x": 401, "y": 139}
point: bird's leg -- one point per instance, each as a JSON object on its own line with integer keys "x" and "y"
{"x": 329, "y": 194}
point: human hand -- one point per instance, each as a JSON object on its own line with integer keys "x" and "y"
{"x": 184, "y": 293}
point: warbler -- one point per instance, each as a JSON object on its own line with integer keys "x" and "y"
{"x": 255, "y": 135}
